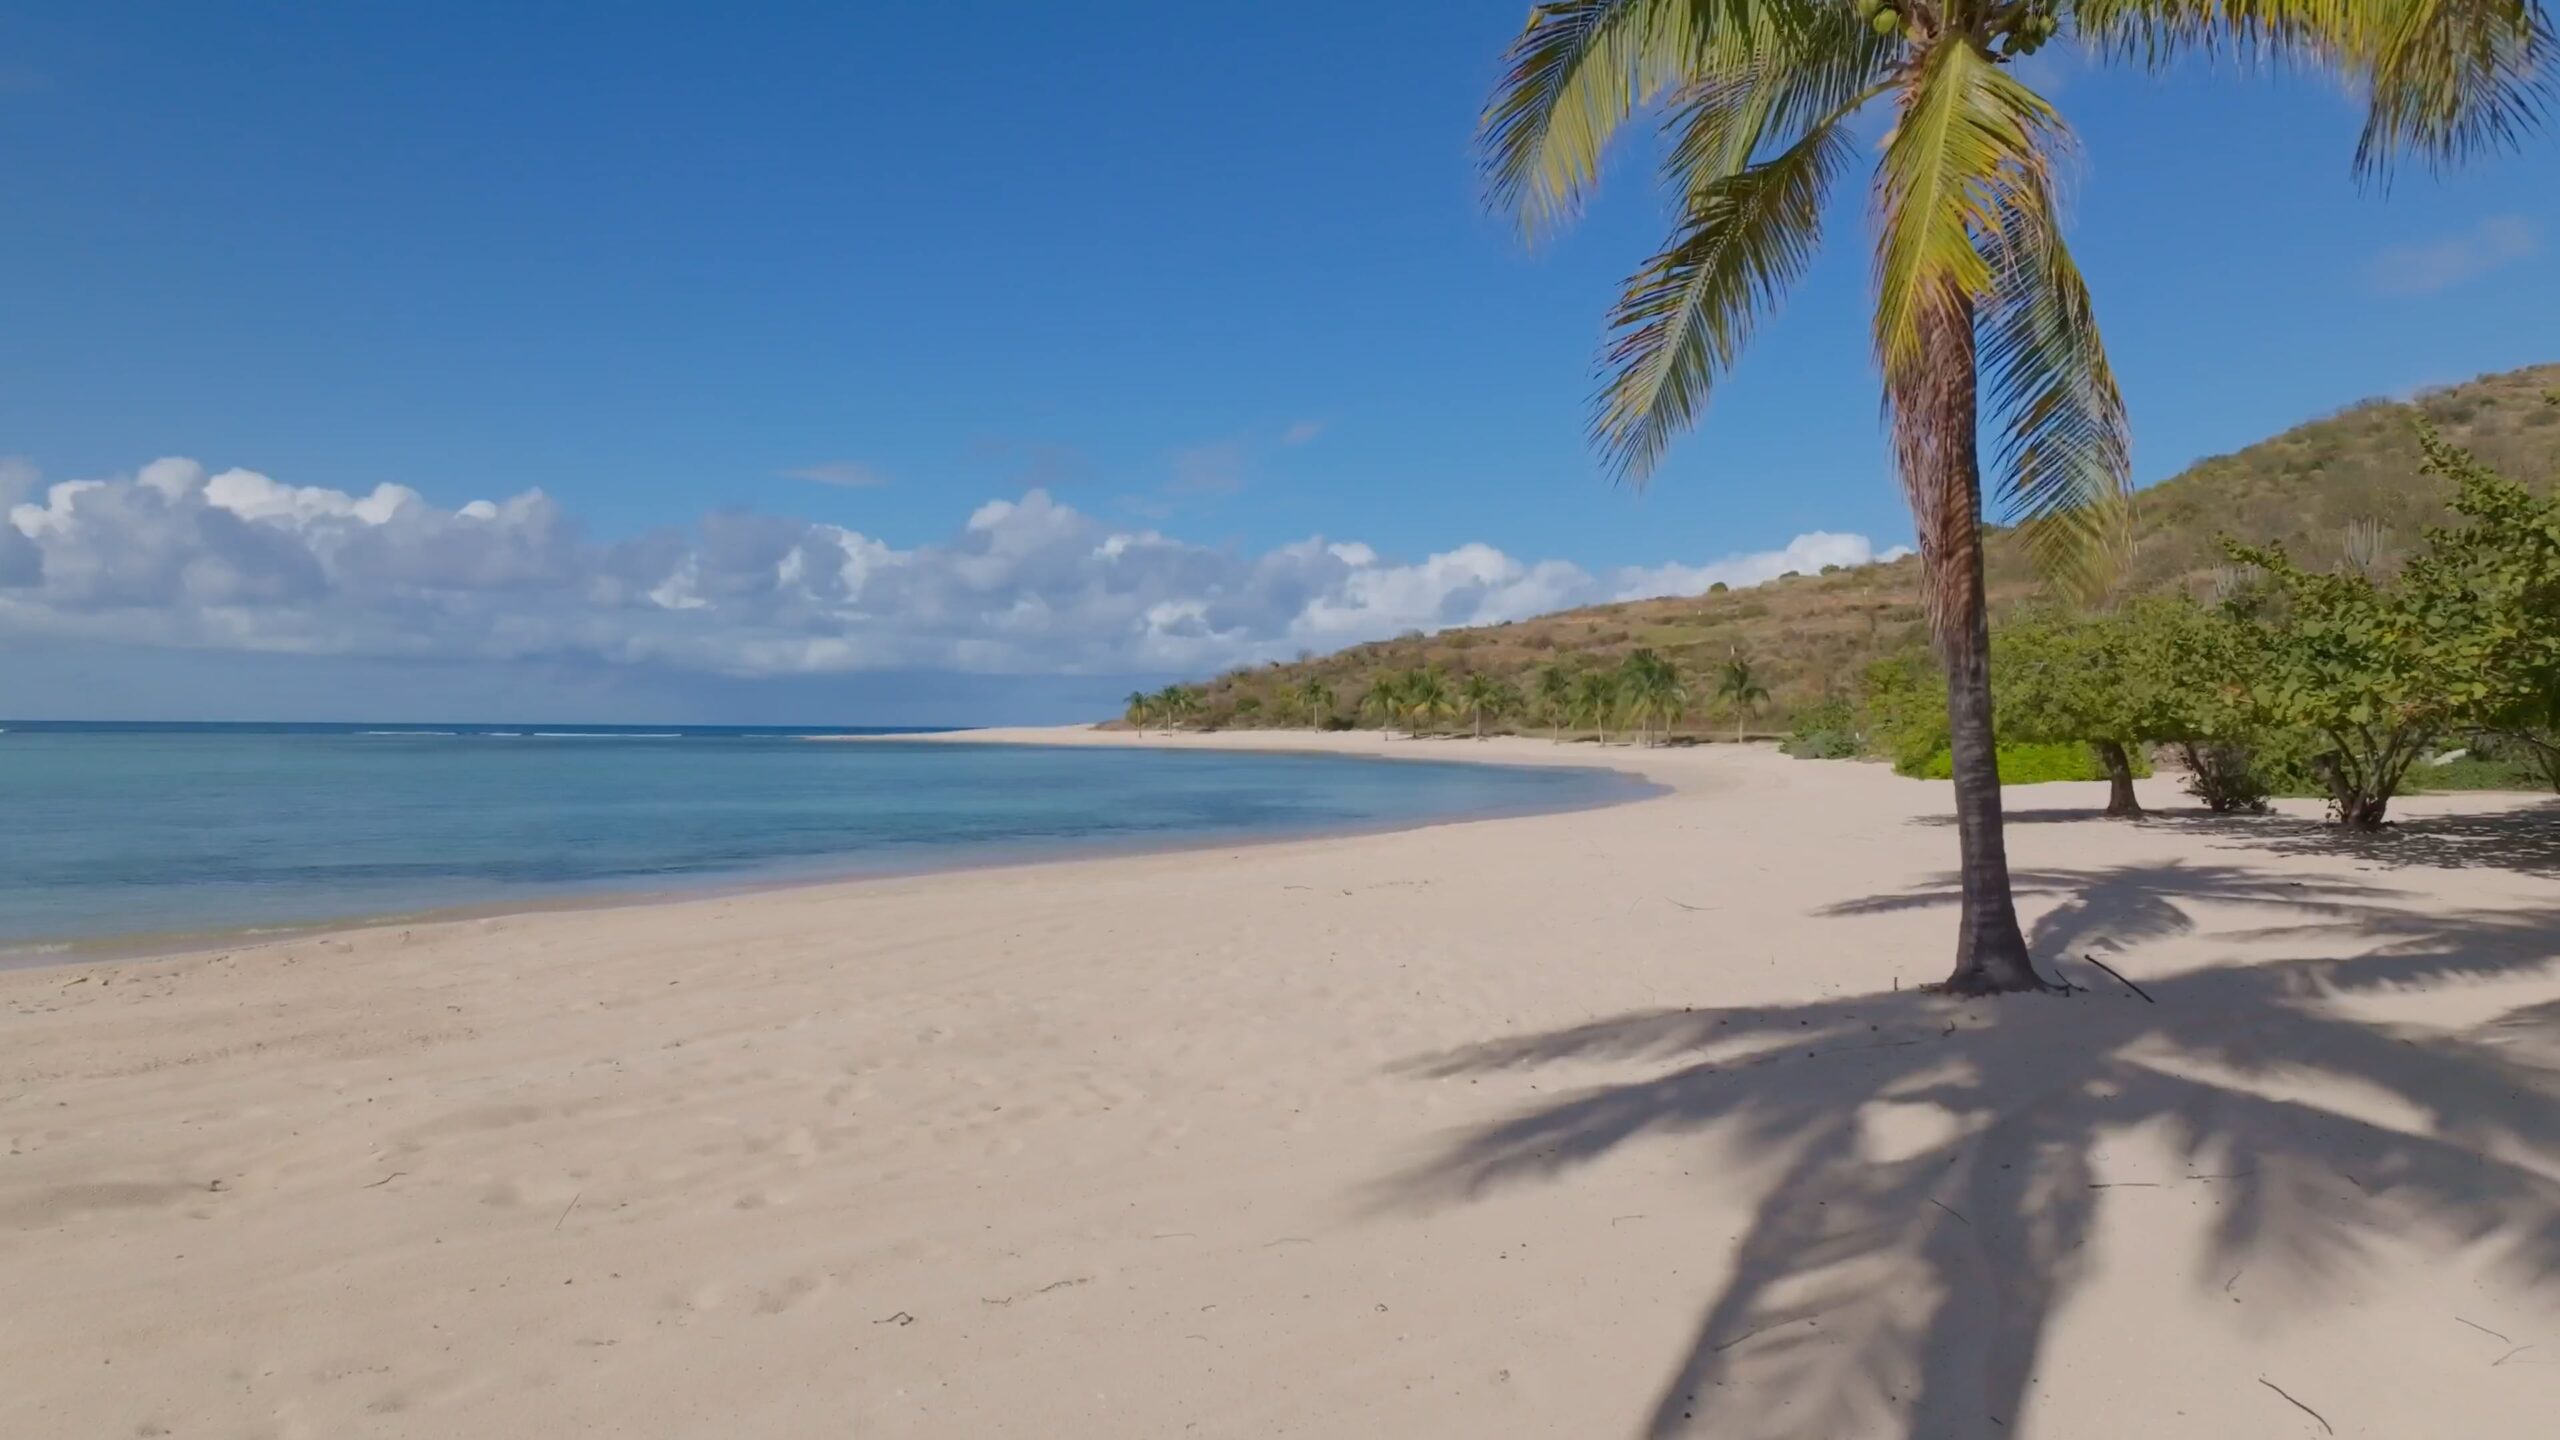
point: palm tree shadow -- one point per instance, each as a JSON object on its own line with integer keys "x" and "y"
{"x": 1885, "y": 1286}
{"x": 2524, "y": 837}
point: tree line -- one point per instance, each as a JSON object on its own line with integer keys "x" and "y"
{"x": 2288, "y": 679}
{"x": 1643, "y": 696}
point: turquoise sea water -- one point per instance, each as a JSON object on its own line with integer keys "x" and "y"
{"x": 138, "y": 829}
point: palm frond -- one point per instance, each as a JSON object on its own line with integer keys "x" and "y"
{"x": 2064, "y": 463}
{"x": 1744, "y": 239}
{"x": 1762, "y": 80}
{"x": 1966, "y": 145}
{"x": 2445, "y": 80}
{"x": 2454, "y": 79}
{"x": 1577, "y": 71}
{"x": 1970, "y": 154}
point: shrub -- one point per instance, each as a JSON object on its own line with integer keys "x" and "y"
{"x": 2473, "y": 772}
{"x": 2027, "y": 763}
{"x": 2460, "y": 638}
{"x": 2224, "y": 777}
{"x": 1823, "y": 732}
{"x": 1903, "y": 710}
{"x": 1822, "y": 745}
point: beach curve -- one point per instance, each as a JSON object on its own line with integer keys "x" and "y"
{"x": 1430, "y": 1132}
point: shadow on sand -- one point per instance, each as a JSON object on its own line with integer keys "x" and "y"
{"x": 1898, "y": 1291}
{"x": 2525, "y": 839}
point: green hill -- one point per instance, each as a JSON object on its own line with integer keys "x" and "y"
{"x": 2348, "y": 481}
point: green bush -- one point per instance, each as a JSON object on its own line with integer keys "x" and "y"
{"x": 1822, "y": 745}
{"x": 1903, "y": 710}
{"x": 2224, "y": 775}
{"x": 2023, "y": 763}
{"x": 2472, "y": 772}
{"x": 1823, "y": 732}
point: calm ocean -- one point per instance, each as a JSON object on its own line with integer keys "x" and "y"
{"x": 133, "y": 829}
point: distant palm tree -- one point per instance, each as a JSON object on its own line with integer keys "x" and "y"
{"x": 1176, "y": 703}
{"x": 1385, "y": 698}
{"x": 1973, "y": 280}
{"x": 1481, "y": 694}
{"x": 1555, "y": 698}
{"x": 1316, "y": 698}
{"x": 1738, "y": 686}
{"x": 1595, "y": 694}
{"x": 1142, "y": 708}
{"x": 1652, "y": 690}
{"x": 1427, "y": 697}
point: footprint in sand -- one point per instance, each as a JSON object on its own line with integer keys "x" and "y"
{"x": 707, "y": 1296}
{"x": 793, "y": 1293}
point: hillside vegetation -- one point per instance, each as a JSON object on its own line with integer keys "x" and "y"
{"x": 2349, "y": 484}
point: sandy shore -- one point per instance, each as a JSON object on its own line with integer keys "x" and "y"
{"x": 1605, "y": 1123}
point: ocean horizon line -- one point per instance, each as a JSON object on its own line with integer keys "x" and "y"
{"x": 547, "y": 729}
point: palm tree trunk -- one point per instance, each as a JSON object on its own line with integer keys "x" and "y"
{"x": 2122, "y": 803}
{"x": 1943, "y": 467}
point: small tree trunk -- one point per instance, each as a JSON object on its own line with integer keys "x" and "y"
{"x": 2122, "y": 803}
{"x": 2361, "y": 799}
{"x": 1935, "y": 430}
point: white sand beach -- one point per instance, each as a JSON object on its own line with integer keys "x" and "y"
{"x": 1622, "y": 1122}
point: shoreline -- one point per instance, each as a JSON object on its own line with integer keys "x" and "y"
{"x": 1573, "y": 1123}
{"x": 147, "y": 946}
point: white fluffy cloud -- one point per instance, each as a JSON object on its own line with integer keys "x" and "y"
{"x": 174, "y": 555}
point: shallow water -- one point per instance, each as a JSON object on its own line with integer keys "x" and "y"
{"x": 125, "y": 830}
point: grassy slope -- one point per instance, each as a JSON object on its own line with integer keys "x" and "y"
{"x": 1809, "y": 632}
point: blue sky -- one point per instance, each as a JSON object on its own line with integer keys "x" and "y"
{"x": 1219, "y": 273}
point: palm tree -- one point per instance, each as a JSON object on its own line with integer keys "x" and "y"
{"x": 1973, "y": 281}
{"x": 1595, "y": 693}
{"x": 1652, "y": 690}
{"x": 1555, "y": 698}
{"x": 1427, "y": 697}
{"x": 1481, "y": 695}
{"x": 1738, "y": 686}
{"x": 1175, "y": 704}
{"x": 1316, "y": 698}
{"x": 1385, "y": 696}
{"x": 1141, "y": 707}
